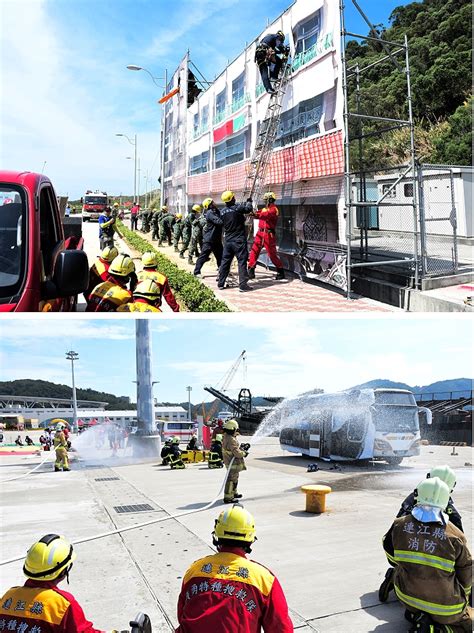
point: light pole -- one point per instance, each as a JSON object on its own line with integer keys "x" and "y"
{"x": 138, "y": 181}
{"x": 72, "y": 356}
{"x": 134, "y": 143}
{"x": 135, "y": 67}
{"x": 189, "y": 389}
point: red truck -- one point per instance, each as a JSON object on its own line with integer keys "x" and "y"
{"x": 42, "y": 265}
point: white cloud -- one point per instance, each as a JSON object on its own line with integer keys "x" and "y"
{"x": 22, "y": 332}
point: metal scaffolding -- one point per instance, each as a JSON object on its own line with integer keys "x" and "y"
{"x": 360, "y": 124}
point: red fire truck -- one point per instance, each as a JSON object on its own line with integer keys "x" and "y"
{"x": 93, "y": 204}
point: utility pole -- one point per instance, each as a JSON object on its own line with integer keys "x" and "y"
{"x": 138, "y": 181}
{"x": 72, "y": 356}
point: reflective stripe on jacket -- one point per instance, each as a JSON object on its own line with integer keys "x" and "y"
{"x": 107, "y": 297}
{"x": 432, "y": 566}
{"x": 161, "y": 281}
{"x": 230, "y": 449}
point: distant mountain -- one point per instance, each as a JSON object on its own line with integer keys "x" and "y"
{"x": 459, "y": 387}
{"x": 46, "y": 389}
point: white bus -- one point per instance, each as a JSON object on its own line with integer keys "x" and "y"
{"x": 380, "y": 424}
{"x": 183, "y": 430}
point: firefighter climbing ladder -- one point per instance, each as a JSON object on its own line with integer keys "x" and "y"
{"x": 260, "y": 160}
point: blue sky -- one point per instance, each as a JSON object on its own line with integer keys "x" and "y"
{"x": 68, "y": 89}
{"x": 286, "y": 354}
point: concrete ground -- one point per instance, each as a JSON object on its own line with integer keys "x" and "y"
{"x": 330, "y": 565}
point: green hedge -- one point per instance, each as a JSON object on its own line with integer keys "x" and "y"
{"x": 196, "y": 296}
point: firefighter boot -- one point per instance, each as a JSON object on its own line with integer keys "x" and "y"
{"x": 229, "y": 492}
{"x": 280, "y": 274}
{"x": 251, "y": 273}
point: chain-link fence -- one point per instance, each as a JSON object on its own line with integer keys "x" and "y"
{"x": 439, "y": 200}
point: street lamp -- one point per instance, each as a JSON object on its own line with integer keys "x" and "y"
{"x": 134, "y": 143}
{"x": 135, "y": 67}
{"x": 72, "y": 356}
{"x": 189, "y": 389}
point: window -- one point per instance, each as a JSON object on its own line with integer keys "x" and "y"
{"x": 205, "y": 117}
{"x": 408, "y": 190}
{"x": 307, "y": 33}
{"x": 231, "y": 151}
{"x": 220, "y": 103}
{"x": 199, "y": 164}
{"x": 386, "y": 187}
{"x": 48, "y": 230}
{"x": 300, "y": 122}
{"x": 238, "y": 87}
{"x": 196, "y": 122}
{"x": 12, "y": 239}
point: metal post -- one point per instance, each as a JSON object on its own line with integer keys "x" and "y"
{"x": 163, "y": 136}
{"x": 454, "y": 222}
{"x": 135, "y": 174}
{"x": 347, "y": 176}
{"x": 138, "y": 181}
{"x": 72, "y": 356}
{"x": 189, "y": 389}
{"x": 421, "y": 204}
{"x": 413, "y": 164}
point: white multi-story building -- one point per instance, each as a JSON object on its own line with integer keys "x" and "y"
{"x": 216, "y": 138}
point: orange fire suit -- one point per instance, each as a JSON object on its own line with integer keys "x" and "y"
{"x": 161, "y": 281}
{"x": 137, "y": 305}
{"x": 107, "y": 297}
{"x": 227, "y": 592}
{"x": 266, "y": 236}
{"x": 432, "y": 570}
{"x": 40, "y": 607}
{"x": 97, "y": 274}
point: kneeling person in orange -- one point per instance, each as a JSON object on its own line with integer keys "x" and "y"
{"x": 266, "y": 237}
{"x": 150, "y": 271}
{"x": 39, "y": 606}
{"x": 228, "y": 593}
{"x": 109, "y": 295}
{"x": 146, "y": 298}
{"x": 99, "y": 271}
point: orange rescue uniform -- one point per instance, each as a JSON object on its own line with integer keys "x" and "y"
{"x": 107, "y": 297}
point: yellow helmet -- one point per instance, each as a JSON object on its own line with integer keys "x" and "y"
{"x": 236, "y": 524}
{"x": 207, "y": 203}
{"x": 432, "y": 492}
{"x": 281, "y": 34}
{"x": 197, "y": 208}
{"x": 218, "y": 437}
{"x": 227, "y": 196}
{"x": 109, "y": 253}
{"x": 164, "y": 208}
{"x": 179, "y": 216}
{"x": 48, "y": 558}
{"x": 446, "y": 474}
{"x": 149, "y": 259}
{"x": 116, "y": 204}
{"x": 122, "y": 266}
{"x": 59, "y": 421}
{"x": 231, "y": 425}
{"x": 175, "y": 440}
{"x": 147, "y": 289}
{"x": 268, "y": 195}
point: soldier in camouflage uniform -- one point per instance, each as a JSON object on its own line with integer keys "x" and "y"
{"x": 196, "y": 237}
{"x": 155, "y": 222}
{"x": 166, "y": 226}
{"x": 177, "y": 230}
{"x": 188, "y": 228}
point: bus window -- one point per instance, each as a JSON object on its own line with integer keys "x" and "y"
{"x": 394, "y": 397}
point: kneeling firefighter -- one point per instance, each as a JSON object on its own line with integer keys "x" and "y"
{"x": 175, "y": 460}
{"x": 166, "y": 452}
{"x": 232, "y": 450}
{"x": 228, "y": 593}
{"x": 215, "y": 454}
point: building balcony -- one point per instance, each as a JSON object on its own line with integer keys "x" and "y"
{"x": 232, "y": 108}
{"x": 324, "y": 44}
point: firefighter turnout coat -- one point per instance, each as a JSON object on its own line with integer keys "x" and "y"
{"x": 432, "y": 568}
{"x": 107, "y": 297}
{"x": 40, "y": 607}
{"x": 227, "y": 592}
{"x": 230, "y": 449}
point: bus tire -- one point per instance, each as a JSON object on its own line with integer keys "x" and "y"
{"x": 394, "y": 461}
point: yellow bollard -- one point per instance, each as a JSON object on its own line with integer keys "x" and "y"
{"x": 315, "y": 497}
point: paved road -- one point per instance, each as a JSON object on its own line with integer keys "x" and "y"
{"x": 330, "y": 565}
{"x": 90, "y": 231}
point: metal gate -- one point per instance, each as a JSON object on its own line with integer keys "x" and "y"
{"x": 438, "y": 202}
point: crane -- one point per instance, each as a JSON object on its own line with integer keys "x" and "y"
{"x": 225, "y": 382}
